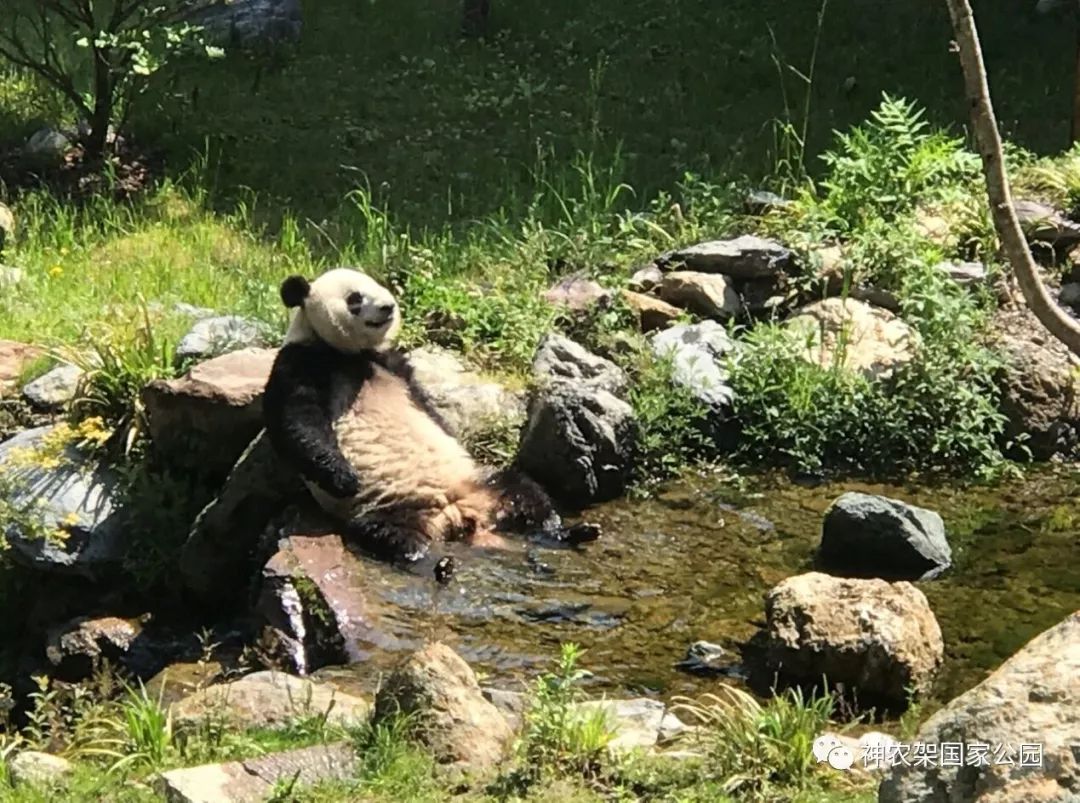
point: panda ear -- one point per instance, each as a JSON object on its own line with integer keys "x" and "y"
{"x": 294, "y": 290}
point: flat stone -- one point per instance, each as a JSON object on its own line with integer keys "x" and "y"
{"x": 54, "y": 390}
{"x": 637, "y": 724}
{"x": 269, "y": 699}
{"x": 204, "y": 420}
{"x": 745, "y": 257}
{"x": 1043, "y": 223}
{"x": 652, "y": 312}
{"x": 762, "y": 202}
{"x": 214, "y": 336}
{"x": 646, "y": 278}
{"x": 577, "y": 294}
{"x": 707, "y": 294}
{"x": 67, "y": 492}
{"x": 1032, "y": 699}
{"x": 866, "y": 535}
{"x": 253, "y": 780}
{"x": 965, "y": 274}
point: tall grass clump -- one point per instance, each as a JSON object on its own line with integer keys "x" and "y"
{"x": 939, "y": 412}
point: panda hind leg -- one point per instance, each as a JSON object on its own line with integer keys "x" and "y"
{"x": 398, "y": 540}
{"x": 522, "y": 506}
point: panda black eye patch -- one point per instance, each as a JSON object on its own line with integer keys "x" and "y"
{"x": 355, "y": 302}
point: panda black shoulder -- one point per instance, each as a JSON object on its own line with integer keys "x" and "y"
{"x": 397, "y": 363}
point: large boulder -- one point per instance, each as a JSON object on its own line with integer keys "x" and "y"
{"x": 33, "y": 768}
{"x": 707, "y": 294}
{"x": 469, "y": 403}
{"x": 746, "y": 257}
{"x": 253, "y": 780}
{"x": 66, "y": 520}
{"x": 268, "y": 699}
{"x": 219, "y": 549}
{"x": 862, "y": 338}
{"x": 250, "y": 23}
{"x": 696, "y": 352}
{"x": 453, "y": 719}
{"x": 1040, "y": 387}
{"x": 865, "y": 535}
{"x": 580, "y": 437}
{"x": 878, "y": 639}
{"x": 1015, "y": 736}
{"x": 318, "y": 602}
{"x": 205, "y": 419}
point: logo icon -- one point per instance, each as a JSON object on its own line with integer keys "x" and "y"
{"x": 828, "y": 748}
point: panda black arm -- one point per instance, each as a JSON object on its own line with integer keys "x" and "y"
{"x": 398, "y": 364}
{"x": 296, "y": 410}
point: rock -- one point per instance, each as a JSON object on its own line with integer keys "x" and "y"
{"x": 638, "y": 724}
{"x": 705, "y": 658}
{"x": 191, "y": 311}
{"x": 14, "y": 358}
{"x": 255, "y": 780}
{"x": 219, "y": 547}
{"x": 204, "y": 420}
{"x": 707, "y": 294}
{"x": 269, "y": 699}
{"x": 744, "y": 257}
{"x": 54, "y": 390}
{"x": 33, "y": 768}
{"x": 965, "y": 274}
{"x": 511, "y": 704}
{"x": 469, "y": 403}
{"x": 652, "y": 312}
{"x": 47, "y": 144}
{"x": 1069, "y": 295}
{"x": 575, "y": 293}
{"x": 7, "y": 228}
{"x": 696, "y": 351}
{"x": 76, "y": 649}
{"x": 1032, "y": 700}
{"x": 316, "y": 599}
{"x": 872, "y": 341}
{"x": 1044, "y": 224}
{"x": 865, "y": 535}
{"x": 875, "y": 297}
{"x": 878, "y": 639}
{"x": 10, "y": 277}
{"x": 1040, "y": 390}
{"x": 250, "y": 23}
{"x": 937, "y": 227}
{"x": 212, "y": 337}
{"x": 177, "y": 681}
{"x": 455, "y": 722}
{"x": 646, "y": 278}
{"x": 67, "y": 524}
{"x": 762, "y": 202}
{"x": 560, "y": 359}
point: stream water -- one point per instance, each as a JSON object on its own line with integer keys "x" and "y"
{"x": 695, "y": 561}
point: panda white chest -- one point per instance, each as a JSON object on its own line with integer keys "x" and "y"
{"x": 401, "y": 456}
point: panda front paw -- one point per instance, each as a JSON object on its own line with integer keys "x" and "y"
{"x": 343, "y": 484}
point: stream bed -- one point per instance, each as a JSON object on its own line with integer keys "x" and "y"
{"x": 695, "y": 561}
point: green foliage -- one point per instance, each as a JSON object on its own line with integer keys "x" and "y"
{"x": 391, "y": 765}
{"x": 557, "y": 736}
{"x": 759, "y": 752}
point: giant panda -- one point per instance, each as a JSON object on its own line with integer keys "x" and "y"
{"x": 342, "y": 407}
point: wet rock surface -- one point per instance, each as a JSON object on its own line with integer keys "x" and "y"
{"x": 1032, "y": 700}
{"x": 865, "y": 535}
{"x": 878, "y": 639}
{"x": 746, "y": 257}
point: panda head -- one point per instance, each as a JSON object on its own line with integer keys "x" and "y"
{"x": 344, "y": 308}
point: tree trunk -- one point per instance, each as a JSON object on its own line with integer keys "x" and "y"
{"x": 475, "y": 16}
{"x": 1074, "y": 133}
{"x": 1063, "y": 327}
{"x": 104, "y": 99}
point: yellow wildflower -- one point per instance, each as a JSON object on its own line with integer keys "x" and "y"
{"x": 71, "y": 519}
{"x": 55, "y": 271}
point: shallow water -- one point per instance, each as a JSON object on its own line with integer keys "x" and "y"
{"x": 695, "y": 562}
